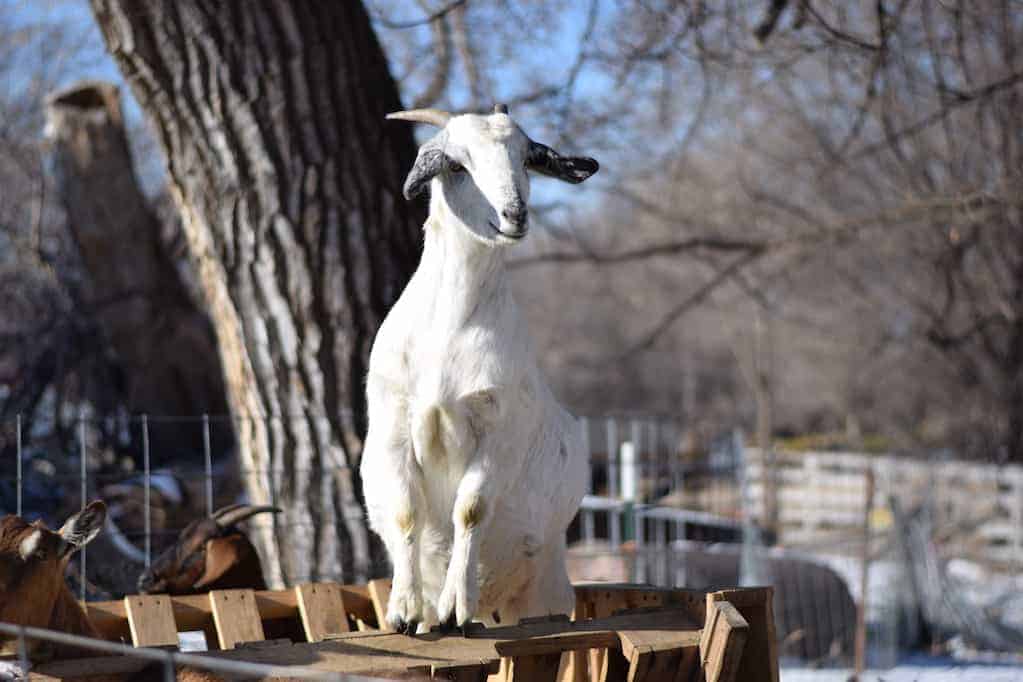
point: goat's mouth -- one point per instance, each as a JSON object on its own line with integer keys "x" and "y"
{"x": 514, "y": 236}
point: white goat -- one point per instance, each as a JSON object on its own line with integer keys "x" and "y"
{"x": 472, "y": 471}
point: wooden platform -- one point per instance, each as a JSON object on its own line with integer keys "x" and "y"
{"x": 620, "y": 632}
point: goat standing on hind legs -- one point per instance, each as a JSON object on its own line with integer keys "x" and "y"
{"x": 472, "y": 471}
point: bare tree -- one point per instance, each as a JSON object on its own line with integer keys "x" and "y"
{"x": 271, "y": 116}
{"x": 163, "y": 344}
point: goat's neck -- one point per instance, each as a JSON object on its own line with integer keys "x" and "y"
{"x": 463, "y": 272}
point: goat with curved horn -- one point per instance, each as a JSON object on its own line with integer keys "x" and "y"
{"x": 471, "y": 469}
{"x": 210, "y": 554}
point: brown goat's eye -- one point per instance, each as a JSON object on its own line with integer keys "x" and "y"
{"x": 456, "y": 167}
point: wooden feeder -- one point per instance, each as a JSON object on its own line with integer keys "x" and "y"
{"x": 619, "y": 632}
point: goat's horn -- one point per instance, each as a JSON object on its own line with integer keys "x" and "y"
{"x": 432, "y": 116}
{"x": 500, "y": 108}
{"x": 236, "y": 513}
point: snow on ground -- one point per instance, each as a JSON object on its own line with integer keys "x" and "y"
{"x": 915, "y": 669}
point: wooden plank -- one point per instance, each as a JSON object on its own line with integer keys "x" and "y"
{"x": 613, "y": 667}
{"x": 541, "y": 668}
{"x": 464, "y": 672}
{"x": 151, "y": 620}
{"x": 656, "y": 655}
{"x": 322, "y": 609}
{"x": 380, "y": 594}
{"x": 358, "y": 604}
{"x": 760, "y": 653}
{"x": 236, "y": 616}
{"x": 601, "y": 600}
{"x": 574, "y": 667}
{"x": 722, "y": 641}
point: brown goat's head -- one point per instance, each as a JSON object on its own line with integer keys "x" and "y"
{"x": 33, "y": 559}
{"x": 210, "y": 554}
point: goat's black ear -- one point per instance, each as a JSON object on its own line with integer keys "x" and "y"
{"x": 80, "y": 529}
{"x": 546, "y": 161}
{"x": 429, "y": 163}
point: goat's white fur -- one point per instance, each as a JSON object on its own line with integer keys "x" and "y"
{"x": 472, "y": 471}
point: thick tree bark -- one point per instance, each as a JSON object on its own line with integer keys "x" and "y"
{"x": 271, "y": 115}
{"x": 163, "y": 343}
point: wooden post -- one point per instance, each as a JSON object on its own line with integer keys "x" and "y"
{"x": 861, "y": 611}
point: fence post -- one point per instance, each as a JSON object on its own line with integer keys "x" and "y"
{"x": 207, "y": 463}
{"x": 631, "y": 472}
{"x": 1016, "y": 486}
{"x": 584, "y": 428}
{"x": 84, "y": 487}
{"x": 639, "y": 456}
{"x": 18, "y": 451}
{"x": 860, "y": 655}
{"x": 612, "y": 457}
{"x": 147, "y": 480}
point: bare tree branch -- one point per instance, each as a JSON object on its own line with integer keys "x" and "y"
{"x": 443, "y": 11}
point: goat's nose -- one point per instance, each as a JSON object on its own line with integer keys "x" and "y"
{"x": 516, "y": 214}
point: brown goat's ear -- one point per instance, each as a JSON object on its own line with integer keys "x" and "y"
{"x": 80, "y": 529}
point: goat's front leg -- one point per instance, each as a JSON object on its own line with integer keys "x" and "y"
{"x": 392, "y": 482}
{"x": 398, "y": 522}
{"x": 474, "y": 503}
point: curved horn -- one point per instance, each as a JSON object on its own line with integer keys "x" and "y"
{"x": 236, "y": 513}
{"x": 432, "y": 116}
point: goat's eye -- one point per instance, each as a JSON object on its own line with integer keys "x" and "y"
{"x": 456, "y": 167}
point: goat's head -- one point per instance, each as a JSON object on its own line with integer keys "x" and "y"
{"x": 210, "y": 554}
{"x": 33, "y": 559}
{"x": 481, "y": 164}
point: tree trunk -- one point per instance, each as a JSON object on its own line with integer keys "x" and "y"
{"x": 289, "y": 180}
{"x": 163, "y": 343}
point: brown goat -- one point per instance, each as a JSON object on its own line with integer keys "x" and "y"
{"x": 33, "y": 559}
{"x": 33, "y": 593}
{"x": 210, "y": 554}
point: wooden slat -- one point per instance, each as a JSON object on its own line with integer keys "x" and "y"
{"x": 464, "y": 672}
{"x": 236, "y": 616}
{"x": 542, "y": 668}
{"x": 151, "y": 620}
{"x": 601, "y": 600}
{"x": 760, "y": 653}
{"x": 193, "y": 612}
{"x": 722, "y": 641}
{"x": 380, "y": 593}
{"x": 613, "y": 667}
{"x": 322, "y": 609}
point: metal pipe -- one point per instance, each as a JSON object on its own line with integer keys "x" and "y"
{"x": 612, "y": 457}
{"x": 172, "y": 657}
{"x": 84, "y": 487}
{"x": 146, "y": 519}
{"x": 19, "y": 463}
{"x": 208, "y": 463}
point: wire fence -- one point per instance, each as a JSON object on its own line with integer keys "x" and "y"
{"x": 651, "y": 490}
{"x": 645, "y": 450}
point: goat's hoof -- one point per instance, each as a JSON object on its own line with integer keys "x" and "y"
{"x": 448, "y": 625}
{"x": 466, "y": 628}
{"x": 406, "y": 627}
